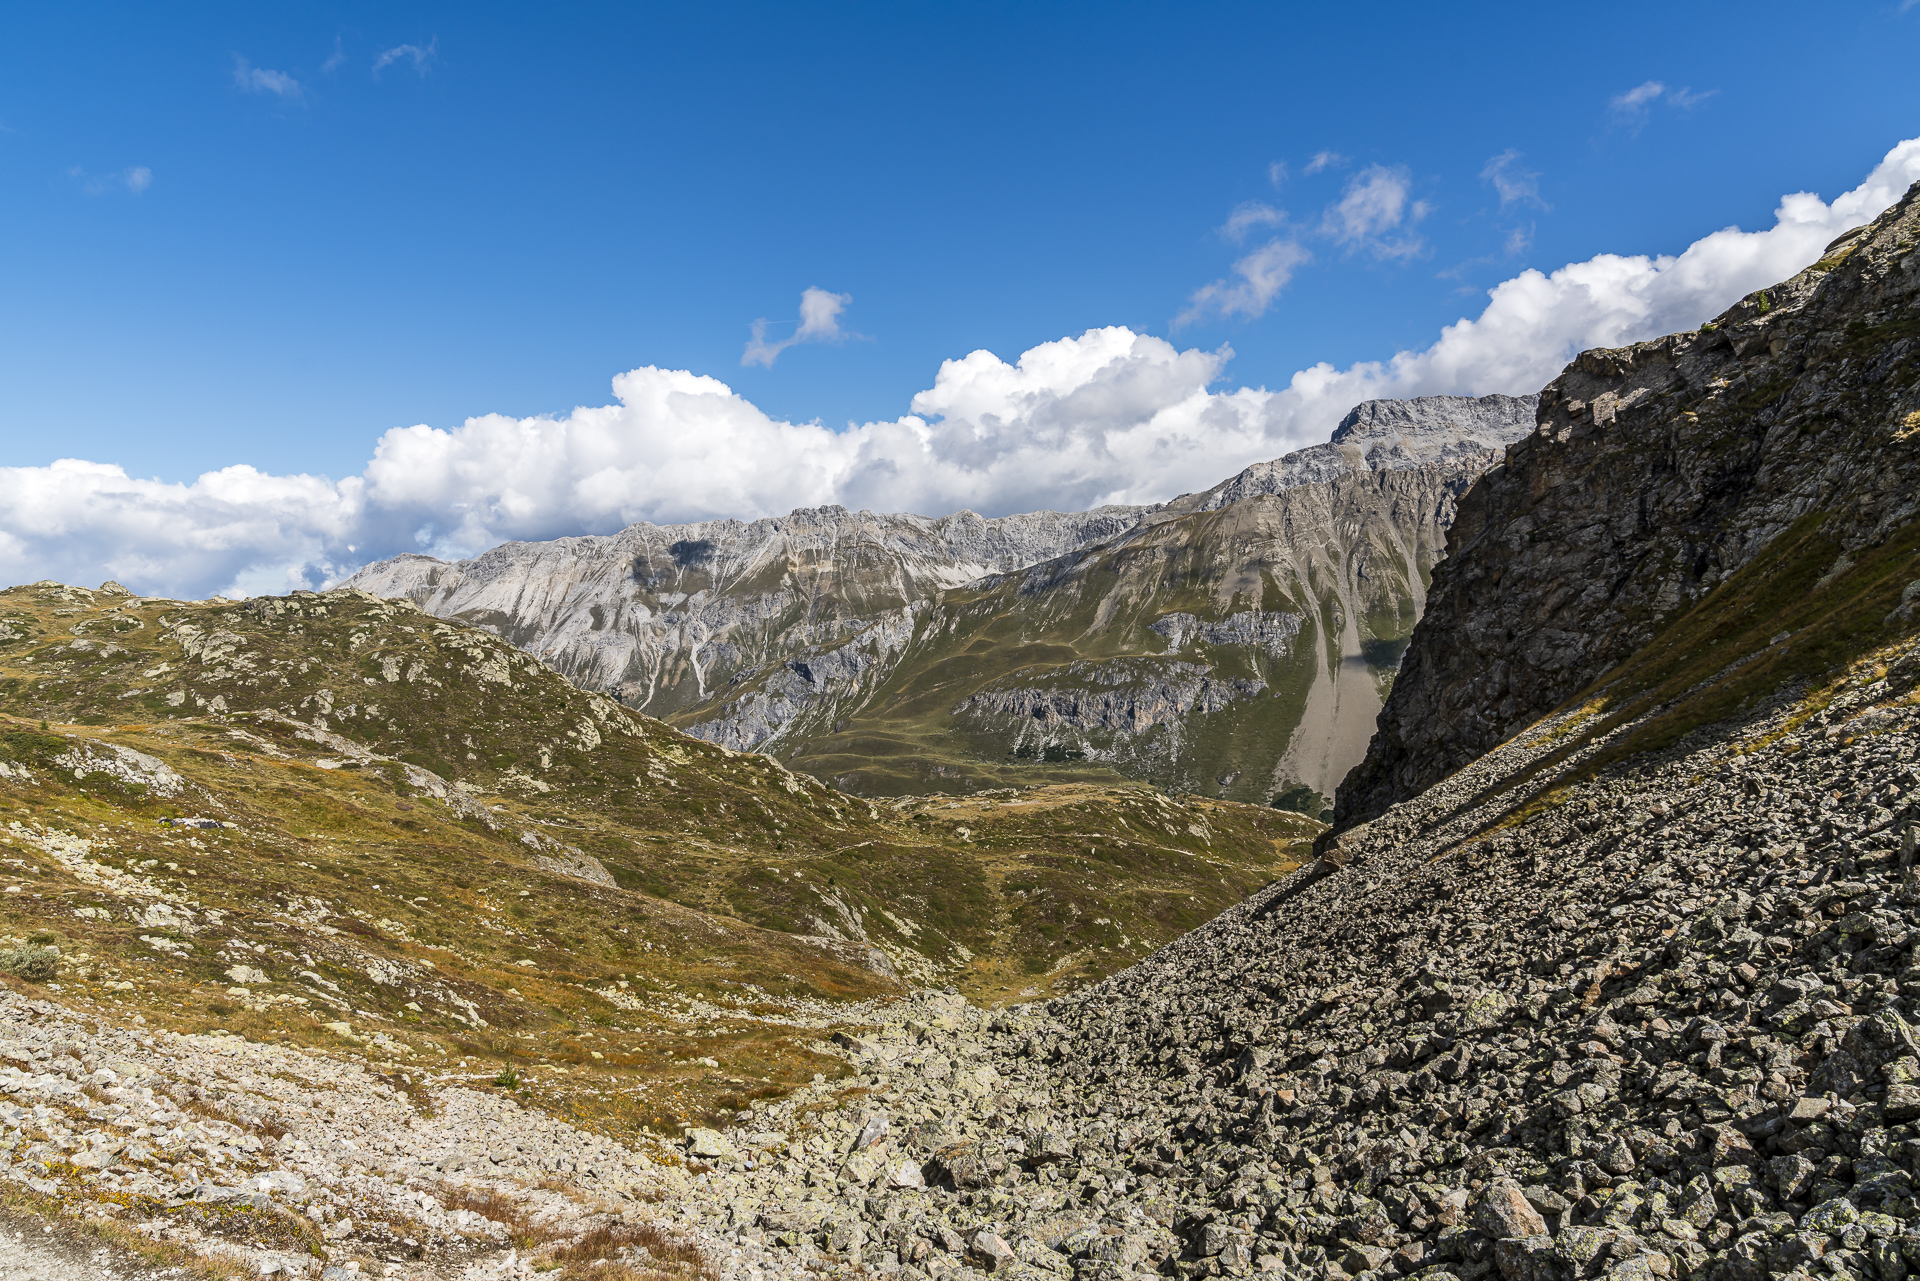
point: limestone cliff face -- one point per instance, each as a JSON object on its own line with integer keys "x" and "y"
{"x": 1382, "y": 436}
{"x": 1656, "y": 472}
{"x": 664, "y": 616}
{"x": 1297, "y": 581}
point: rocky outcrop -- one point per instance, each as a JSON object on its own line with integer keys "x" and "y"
{"x": 1094, "y": 710}
{"x": 1389, "y": 435}
{"x": 1272, "y": 631}
{"x": 1657, "y": 471}
{"x": 808, "y": 690}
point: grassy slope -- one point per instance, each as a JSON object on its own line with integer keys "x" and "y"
{"x": 1770, "y": 627}
{"x": 379, "y": 896}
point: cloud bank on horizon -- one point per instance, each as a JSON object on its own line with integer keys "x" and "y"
{"x": 1110, "y": 416}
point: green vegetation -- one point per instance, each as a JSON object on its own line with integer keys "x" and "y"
{"x": 1302, "y": 799}
{"x": 34, "y": 964}
{"x": 334, "y": 821}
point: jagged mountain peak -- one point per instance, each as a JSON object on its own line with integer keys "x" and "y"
{"x": 1385, "y": 435}
{"x": 782, "y": 633}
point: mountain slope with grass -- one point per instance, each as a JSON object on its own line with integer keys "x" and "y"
{"x": 1633, "y": 991}
{"x": 287, "y": 813}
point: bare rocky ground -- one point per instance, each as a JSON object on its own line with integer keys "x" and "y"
{"x": 1654, "y": 1021}
{"x": 1646, "y": 1019}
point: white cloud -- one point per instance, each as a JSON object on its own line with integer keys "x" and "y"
{"x": 1637, "y": 98}
{"x": 1514, "y": 184}
{"x": 260, "y": 80}
{"x": 1634, "y": 105}
{"x": 1250, "y": 215}
{"x": 819, "y": 322}
{"x": 1323, "y": 160}
{"x": 1259, "y": 278}
{"x": 421, "y": 55}
{"x": 1277, "y": 171}
{"x": 1108, "y": 416}
{"x": 337, "y": 58}
{"x": 1373, "y": 213}
{"x": 1377, "y": 201}
{"x": 134, "y": 179}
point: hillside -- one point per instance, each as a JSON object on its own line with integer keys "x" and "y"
{"x": 1631, "y": 991}
{"x": 1233, "y": 643}
{"x": 409, "y": 827}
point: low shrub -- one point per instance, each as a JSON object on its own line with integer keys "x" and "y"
{"x": 34, "y": 964}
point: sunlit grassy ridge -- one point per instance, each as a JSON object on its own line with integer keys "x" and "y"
{"x": 435, "y": 841}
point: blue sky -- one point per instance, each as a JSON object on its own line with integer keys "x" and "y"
{"x": 293, "y": 288}
{"x": 544, "y": 197}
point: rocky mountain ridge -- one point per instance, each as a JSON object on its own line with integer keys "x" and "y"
{"x": 661, "y": 616}
{"x": 1657, "y": 472}
{"x": 779, "y": 635}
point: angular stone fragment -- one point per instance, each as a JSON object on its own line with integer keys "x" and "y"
{"x": 990, "y": 1252}
{"x": 710, "y": 1145}
{"x": 1792, "y": 1176}
{"x": 1503, "y": 1212}
{"x": 1829, "y": 1216}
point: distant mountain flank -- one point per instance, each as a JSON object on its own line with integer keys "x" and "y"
{"x": 1236, "y": 642}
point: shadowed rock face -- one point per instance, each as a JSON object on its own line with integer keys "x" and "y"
{"x": 1656, "y": 472}
{"x": 780, "y": 635}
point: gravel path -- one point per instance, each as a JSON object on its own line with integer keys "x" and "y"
{"x": 34, "y": 1251}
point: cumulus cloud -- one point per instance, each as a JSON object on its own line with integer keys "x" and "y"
{"x": 420, "y": 55}
{"x": 1108, "y": 416}
{"x": 1374, "y": 213}
{"x": 260, "y": 80}
{"x": 1514, "y": 184}
{"x": 819, "y": 322}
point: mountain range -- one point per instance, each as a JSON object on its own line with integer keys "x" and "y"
{"x": 1234, "y": 643}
